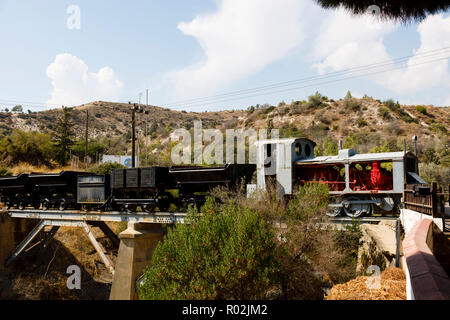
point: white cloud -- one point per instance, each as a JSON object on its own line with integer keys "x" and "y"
{"x": 346, "y": 41}
{"x": 240, "y": 38}
{"x": 73, "y": 84}
{"x": 434, "y": 33}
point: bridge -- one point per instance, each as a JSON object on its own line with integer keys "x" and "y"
{"x": 136, "y": 243}
{"x": 145, "y": 230}
{"x": 425, "y": 216}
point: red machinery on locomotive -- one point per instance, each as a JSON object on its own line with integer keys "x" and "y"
{"x": 358, "y": 183}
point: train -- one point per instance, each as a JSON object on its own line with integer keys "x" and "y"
{"x": 359, "y": 184}
{"x": 147, "y": 189}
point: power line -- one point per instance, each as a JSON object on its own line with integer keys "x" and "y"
{"x": 306, "y": 86}
{"x": 213, "y": 98}
{"x": 251, "y": 92}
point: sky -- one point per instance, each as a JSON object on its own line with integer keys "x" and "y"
{"x": 199, "y": 55}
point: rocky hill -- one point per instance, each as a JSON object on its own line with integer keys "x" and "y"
{"x": 364, "y": 123}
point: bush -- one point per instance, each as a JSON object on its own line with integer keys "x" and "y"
{"x": 432, "y": 172}
{"x": 384, "y": 113}
{"x": 391, "y": 104}
{"x": 421, "y": 109}
{"x": 314, "y": 101}
{"x": 361, "y": 123}
{"x": 352, "y": 104}
{"x": 439, "y": 128}
{"x": 105, "y": 168}
{"x": 219, "y": 255}
{"x": 430, "y": 156}
{"x": 5, "y": 172}
{"x": 239, "y": 252}
{"x": 328, "y": 147}
{"x": 31, "y": 147}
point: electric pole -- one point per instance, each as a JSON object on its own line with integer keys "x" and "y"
{"x": 146, "y": 131}
{"x": 133, "y": 135}
{"x": 86, "y": 142}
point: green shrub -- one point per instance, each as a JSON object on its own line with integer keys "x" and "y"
{"x": 5, "y": 172}
{"x": 392, "y": 105}
{"x": 34, "y": 148}
{"x": 439, "y": 128}
{"x": 314, "y": 101}
{"x": 328, "y": 147}
{"x": 384, "y": 113}
{"x": 432, "y": 172}
{"x": 105, "y": 168}
{"x": 430, "y": 156}
{"x": 219, "y": 255}
{"x": 351, "y": 104}
{"x": 362, "y": 123}
{"x": 421, "y": 109}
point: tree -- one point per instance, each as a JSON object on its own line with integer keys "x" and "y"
{"x": 17, "y": 109}
{"x": 63, "y": 137}
{"x": 224, "y": 253}
{"x": 403, "y": 10}
{"x": 34, "y": 148}
{"x": 348, "y": 95}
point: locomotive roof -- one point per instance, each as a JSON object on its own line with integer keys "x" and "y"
{"x": 284, "y": 140}
{"x": 388, "y": 156}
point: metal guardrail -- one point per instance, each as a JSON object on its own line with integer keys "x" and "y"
{"x": 112, "y": 216}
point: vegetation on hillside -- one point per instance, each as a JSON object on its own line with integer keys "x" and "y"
{"x": 259, "y": 248}
{"x": 365, "y": 124}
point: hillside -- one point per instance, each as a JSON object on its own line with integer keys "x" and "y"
{"x": 114, "y": 119}
{"x": 365, "y": 124}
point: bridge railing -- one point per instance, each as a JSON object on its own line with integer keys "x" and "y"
{"x": 426, "y": 198}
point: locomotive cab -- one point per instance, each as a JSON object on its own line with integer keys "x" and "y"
{"x": 276, "y": 159}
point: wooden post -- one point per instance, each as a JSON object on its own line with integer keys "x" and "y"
{"x": 434, "y": 200}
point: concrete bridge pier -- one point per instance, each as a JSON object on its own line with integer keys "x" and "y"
{"x": 12, "y": 232}
{"x": 137, "y": 244}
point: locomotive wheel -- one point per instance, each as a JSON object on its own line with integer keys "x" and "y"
{"x": 163, "y": 204}
{"x": 36, "y": 205}
{"x": 62, "y": 205}
{"x": 45, "y": 204}
{"x": 191, "y": 203}
{"x": 357, "y": 209}
{"x": 21, "y": 205}
{"x": 148, "y": 207}
{"x": 130, "y": 207}
{"x": 334, "y": 212}
{"x": 164, "y": 201}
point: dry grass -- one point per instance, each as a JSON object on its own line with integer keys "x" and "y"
{"x": 392, "y": 287}
{"x": 28, "y": 168}
{"x": 43, "y": 277}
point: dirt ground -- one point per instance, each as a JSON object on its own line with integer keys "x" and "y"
{"x": 392, "y": 287}
{"x": 42, "y": 275}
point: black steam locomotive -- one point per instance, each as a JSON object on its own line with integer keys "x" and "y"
{"x": 121, "y": 189}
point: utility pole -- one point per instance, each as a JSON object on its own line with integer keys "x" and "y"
{"x": 86, "y": 142}
{"x": 146, "y": 131}
{"x": 133, "y": 136}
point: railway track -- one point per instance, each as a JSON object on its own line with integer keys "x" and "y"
{"x": 372, "y": 219}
